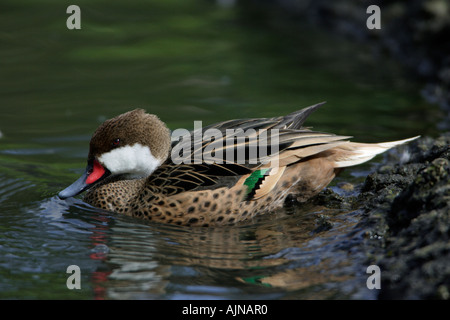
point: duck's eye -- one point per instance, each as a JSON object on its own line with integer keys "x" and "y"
{"x": 116, "y": 142}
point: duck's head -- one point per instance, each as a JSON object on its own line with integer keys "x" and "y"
{"x": 132, "y": 145}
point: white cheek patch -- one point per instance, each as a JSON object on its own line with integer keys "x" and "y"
{"x": 137, "y": 161}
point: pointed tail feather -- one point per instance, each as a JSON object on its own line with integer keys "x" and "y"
{"x": 296, "y": 119}
{"x": 354, "y": 153}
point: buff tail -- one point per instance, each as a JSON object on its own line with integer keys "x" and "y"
{"x": 354, "y": 153}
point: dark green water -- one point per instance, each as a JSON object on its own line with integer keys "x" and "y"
{"x": 184, "y": 61}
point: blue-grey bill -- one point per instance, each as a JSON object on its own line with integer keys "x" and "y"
{"x": 75, "y": 188}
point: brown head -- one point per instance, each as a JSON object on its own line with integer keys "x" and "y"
{"x": 132, "y": 144}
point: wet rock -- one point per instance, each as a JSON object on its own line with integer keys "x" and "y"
{"x": 428, "y": 191}
{"x": 330, "y": 198}
{"x": 323, "y": 223}
{"x": 406, "y": 215}
{"x": 348, "y": 187}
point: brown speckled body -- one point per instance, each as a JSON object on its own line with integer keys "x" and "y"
{"x": 221, "y": 206}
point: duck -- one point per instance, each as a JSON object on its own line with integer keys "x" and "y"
{"x": 136, "y": 166}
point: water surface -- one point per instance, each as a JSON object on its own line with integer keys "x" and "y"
{"x": 184, "y": 61}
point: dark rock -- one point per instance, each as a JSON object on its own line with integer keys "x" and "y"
{"x": 428, "y": 191}
{"x": 323, "y": 223}
{"x": 407, "y": 211}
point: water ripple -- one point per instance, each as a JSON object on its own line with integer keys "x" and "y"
{"x": 10, "y": 187}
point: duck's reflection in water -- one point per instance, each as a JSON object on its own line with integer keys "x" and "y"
{"x": 275, "y": 254}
